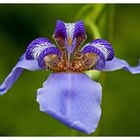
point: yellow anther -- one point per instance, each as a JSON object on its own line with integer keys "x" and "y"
{"x": 70, "y": 41}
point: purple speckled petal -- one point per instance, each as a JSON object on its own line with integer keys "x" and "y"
{"x": 73, "y": 99}
{"x": 117, "y": 64}
{"x": 31, "y": 65}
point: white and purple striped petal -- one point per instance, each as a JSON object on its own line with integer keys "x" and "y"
{"x": 31, "y": 65}
{"x": 39, "y": 48}
{"x": 74, "y": 99}
{"x": 102, "y": 49}
{"x": 36, "y": 47}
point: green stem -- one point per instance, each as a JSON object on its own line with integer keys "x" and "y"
{"x": 94, "y": 29}
{"x": 109, "y": 24}
{"x": 112, "y": 20}
{"x": 101, "y": 11}
{"x": 82, "y": 11}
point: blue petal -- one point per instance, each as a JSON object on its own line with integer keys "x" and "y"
{"x": 73, "y": 99}
{"x": 117, "y": 63}
{"x": 31, "y": 65}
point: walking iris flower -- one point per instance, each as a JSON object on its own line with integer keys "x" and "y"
{"x": 68, "y": 94}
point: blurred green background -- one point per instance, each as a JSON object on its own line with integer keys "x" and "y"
{"x": 20, "y": 24}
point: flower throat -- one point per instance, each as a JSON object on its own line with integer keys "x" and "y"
{"x": 74, "y": 62}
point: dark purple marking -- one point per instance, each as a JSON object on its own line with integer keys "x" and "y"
{"x": 79, "y": 29}
{"x": 60, "y": 29}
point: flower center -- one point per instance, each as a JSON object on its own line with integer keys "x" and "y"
{"x": 79, "y": 63}
{"x": 68, "y": 56}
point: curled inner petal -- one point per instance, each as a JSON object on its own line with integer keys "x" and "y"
{"x": 105, "y": 48}
{"x": 36, "y": 47}
{"x": 40, "y": 48}
{"x": 102, "y": 49}
{"x": 60, "y": 34}
{"x": 60, "y": 29}
{"x": 79, "y": 33}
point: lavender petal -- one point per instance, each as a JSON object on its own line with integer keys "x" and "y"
{"x": 117, "y": 64}
{"x": 73, "y": 99}
{"x": 31, "y": 65}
